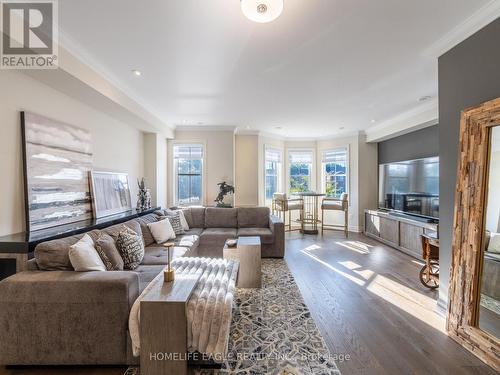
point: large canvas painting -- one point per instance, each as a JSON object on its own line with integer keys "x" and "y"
{"x": 111, "y": 193}
{"x": 57, "y": 161}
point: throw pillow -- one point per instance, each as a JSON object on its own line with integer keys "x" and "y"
{"x": 171, "y": 212}
{"x": 84, "y": 257}
{"x": 162, "y": 230}
{"x": 131, "y": 248}
{"x": 494, "y": 245}
{"x": 107, "y": 250}
{"x": 176, "y": 223}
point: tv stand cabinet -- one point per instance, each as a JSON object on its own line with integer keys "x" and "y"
{"x": 398, "y": 231}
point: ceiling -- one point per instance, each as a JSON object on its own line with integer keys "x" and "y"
{"x": 325, "y": 67}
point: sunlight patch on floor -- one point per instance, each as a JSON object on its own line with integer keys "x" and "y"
{"x": 412, "y": 302}
{"x": 356, "y": 268}
{"x": 336, "y": 270}
{"x": 356, "y": 246}
{"x": 408, "y": 300}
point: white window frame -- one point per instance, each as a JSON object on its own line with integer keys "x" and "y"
{"x": 323, "y": 168}
{"x": 280, "y": 171}
{"x": 312, "y": 174}
{"x": 175, "y": 178}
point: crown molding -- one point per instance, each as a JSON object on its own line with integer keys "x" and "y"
{"x": 205, "y": 128}
{"x": 417, "y": 118}
{"x": 481, "y": 18}
{"x": 240, "y": 131}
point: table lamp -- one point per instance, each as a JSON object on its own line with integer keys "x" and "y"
{"x": 168, "y": 272}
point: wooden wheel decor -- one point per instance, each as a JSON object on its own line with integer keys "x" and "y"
{"x": 429, "y": 275}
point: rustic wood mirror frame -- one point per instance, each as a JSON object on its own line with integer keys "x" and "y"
{"x": 468, "y": 237}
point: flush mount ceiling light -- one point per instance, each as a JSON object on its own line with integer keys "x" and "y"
{"x": 136, "y": 72}
{"x": 262, "y": 11}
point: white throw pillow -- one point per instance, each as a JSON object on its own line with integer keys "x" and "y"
{"x": 162, "y": 230}
{"x": 84, "y": 257}
{"x": 494, "y": 245}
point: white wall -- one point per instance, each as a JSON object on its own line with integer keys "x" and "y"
{"x": 116, "y": 145}
{"x": 155, "y": 167}
{"x": 218, "y": 160}
{"x": 246, "y": 170}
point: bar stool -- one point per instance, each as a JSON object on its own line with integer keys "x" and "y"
{"x": 335, "y": 204}
{"x": 282, "y": 205}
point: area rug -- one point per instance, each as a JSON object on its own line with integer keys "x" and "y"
{"x": 272, "y": 331}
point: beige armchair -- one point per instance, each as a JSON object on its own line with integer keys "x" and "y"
{"x": 335, "y": 204}
{"x": 282, "y": 204}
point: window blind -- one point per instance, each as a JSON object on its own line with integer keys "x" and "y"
{"x": 188, "y": 151}
{"x": 335, "y": 156}
{"x": 273, "y": 155}
{"x": 300, "y": 157}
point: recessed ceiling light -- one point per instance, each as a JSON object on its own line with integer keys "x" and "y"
{"x": 136, "y": 72}
{"x": 373, "y": 121}
{"x": 424, "y": 98}
{"x": 262, "y": 11}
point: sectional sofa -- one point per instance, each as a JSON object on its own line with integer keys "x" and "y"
{"x": 53, "y": 315}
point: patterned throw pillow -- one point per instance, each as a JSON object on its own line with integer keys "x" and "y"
{"x": 131, "y": 248}
{"x": 175, "y": 221}
{"x": 107, "y": 250}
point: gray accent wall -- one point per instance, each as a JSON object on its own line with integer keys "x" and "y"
{"x": 469, "y": 75}
{"x": 415, "y": 145}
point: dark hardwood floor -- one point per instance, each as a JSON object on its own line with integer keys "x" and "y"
{"x": 367, "y": 302}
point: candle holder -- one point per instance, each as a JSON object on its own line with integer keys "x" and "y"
{"x": 168, "y": 272}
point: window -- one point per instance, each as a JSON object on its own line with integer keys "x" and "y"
{"x": 188, "y": 169}
{"x": 272, "y": 172}
{"x": 334, "y": 172}
{"x": 300, "y": 171}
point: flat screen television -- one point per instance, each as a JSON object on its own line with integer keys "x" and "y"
{"x": 410, "y": 186}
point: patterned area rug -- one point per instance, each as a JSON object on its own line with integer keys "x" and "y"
{"x": 272, "y": 331}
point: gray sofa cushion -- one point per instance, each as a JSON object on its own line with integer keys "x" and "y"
{"x": 194, "y": 231}
{"x": 157, "y": 255}
{"x": 54, "y": 255}
{"x": 265, "y": 234}
{"x": 217, "y": 236}
{"x": 114, "y": 230}
{"x": 253, "y": 217}
{"x": 147, "y": 273}
{"x": 221, "y": 217}
{"x": 146, "y": 233}
{"x": 197, "y": 217}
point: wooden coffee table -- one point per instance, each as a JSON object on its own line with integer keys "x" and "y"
{"x": 248, "y": 253}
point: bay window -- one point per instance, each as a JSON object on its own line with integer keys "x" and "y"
{"x": 188, "y": 174}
